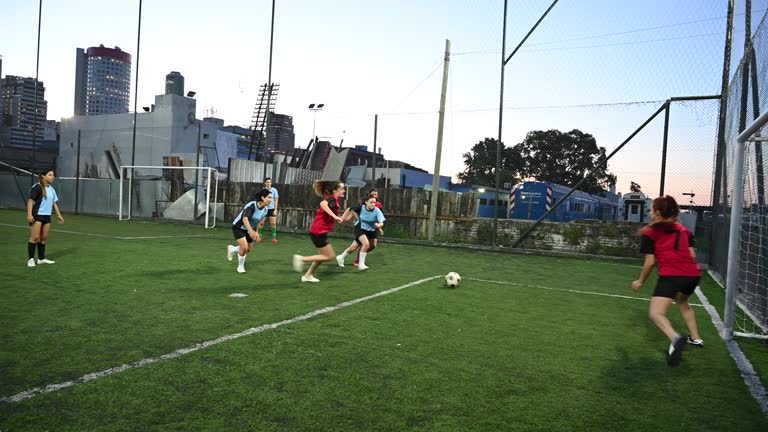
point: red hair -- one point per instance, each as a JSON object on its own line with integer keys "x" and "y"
{"x": 667, "y": 209}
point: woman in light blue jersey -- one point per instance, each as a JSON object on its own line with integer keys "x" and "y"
{"x": 244, "y": 227}
{"x": 271, "y": 212}
{"x": 42, "y": 201}
{"x": 369, "y": 220}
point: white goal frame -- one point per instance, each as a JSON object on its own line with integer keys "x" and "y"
{"x": 210, "y": 170}
{"x": 751, "y": 133}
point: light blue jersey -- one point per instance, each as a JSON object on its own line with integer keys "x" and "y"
{"x": 43, "y": 205}
{"x": 253, "y": 213}
{"x": 367, "y": 218}
{"x": 275, "y": 196}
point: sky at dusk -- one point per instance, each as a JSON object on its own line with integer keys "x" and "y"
{"x": 597, "y": 65}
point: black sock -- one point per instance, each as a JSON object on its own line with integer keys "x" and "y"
{"x": 31, "y": 250}
{"x": 41, "y": 251}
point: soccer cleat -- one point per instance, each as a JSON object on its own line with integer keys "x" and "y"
{"x": 675, "y": 353}
{"x": 695, "y": 342}
{"x": 31, "y": 262}
{"x": 230, "y": 253}
{"x": 340, "y": 260}
{"x": 274, "y": 240}
{"x": 259, "y": 240}
{"x": 45, "y": 261}
{"x": 298, "y": 264}
{"x": 357, "y": 263}
{"x": 309, "y": 279}
{"x": 241, "y": 269}
{"x": 362, "y": 267}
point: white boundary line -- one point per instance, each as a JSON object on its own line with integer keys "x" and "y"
{"x": 569, "y": 290}
{"x": 751, "y": 378}
{"x": 184, "y": 351}
{"x": 116, "y": 237}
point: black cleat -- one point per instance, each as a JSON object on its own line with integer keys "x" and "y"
{"x": 675, "y": 353}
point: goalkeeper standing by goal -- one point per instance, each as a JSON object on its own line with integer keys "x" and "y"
{"x": 670, "y": 245}
{"x": 244, "y": 227}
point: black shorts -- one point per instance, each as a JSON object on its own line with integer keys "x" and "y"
{"x": 668, "y": 286}
{"x": 271, "y": 213}
{"x": 240, "y": 233}
{"x": 43, "y": 219}
{"x": 372, "y": 235}
{"x": 319, "y": 240}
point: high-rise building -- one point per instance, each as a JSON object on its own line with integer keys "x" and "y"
{"x": 102, "y": 81}
{"x": 17, "y": 107}
{"x": 280, "y": 136}
{"x": 174, "y": 84}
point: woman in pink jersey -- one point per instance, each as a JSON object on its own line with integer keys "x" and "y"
{"x": 670, "y": 245}
{"x": 325, "y": 219}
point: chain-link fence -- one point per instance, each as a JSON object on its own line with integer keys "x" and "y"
{"x": 746, "y": 100}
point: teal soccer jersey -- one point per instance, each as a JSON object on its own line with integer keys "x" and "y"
{"x": 253, "y": 213}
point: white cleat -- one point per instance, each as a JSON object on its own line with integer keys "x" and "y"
{"x": 298, "y": 264}
{"x": 31, "y": 262}
{"x": 241, "y": 269}
{"x": 230, "y": 253}
{"x": 362, "y": 267}
{"x": 309, "y": 279}
{"x": 340, "y": 261}
{"x": 45, "y": 261}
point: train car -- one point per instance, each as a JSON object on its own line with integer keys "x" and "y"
{"x": 530, "y": 200}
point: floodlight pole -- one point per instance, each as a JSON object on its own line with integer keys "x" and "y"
{"x": 135, "y": 95}
{"x": 269, "y": 90}
{"x": 501, "y": 107}
{"x": 438, "y": 151}
{"x": 37, "y": 72}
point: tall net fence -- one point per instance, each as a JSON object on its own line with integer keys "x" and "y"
{"x": 747, "y": 99}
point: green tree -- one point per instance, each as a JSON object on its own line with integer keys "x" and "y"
{"x": 564, "y": 158}
{"x": 634, "y": 187}
{"x": 480, "y": 164}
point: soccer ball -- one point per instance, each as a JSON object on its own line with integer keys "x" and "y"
{"x": 452, "y": 280}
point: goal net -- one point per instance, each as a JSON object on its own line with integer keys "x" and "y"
{"x": 173, "y": 193}
{"x": 751, "y": 296}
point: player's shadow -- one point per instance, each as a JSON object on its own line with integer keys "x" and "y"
{"x": 59, "y": 253}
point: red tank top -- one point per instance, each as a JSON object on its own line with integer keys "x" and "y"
{"x": 323, "y": 223}
{"x": 671, "y": 250}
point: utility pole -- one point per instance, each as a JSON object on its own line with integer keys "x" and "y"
{"x": 438, "y": 151}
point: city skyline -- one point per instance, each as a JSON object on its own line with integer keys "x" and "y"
{"x": 361, "y": 60}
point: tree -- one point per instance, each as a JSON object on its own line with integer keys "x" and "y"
{"x": 480, "y": 164}
{"x": 634, "y": 187}
{"x": 564, "y": 158}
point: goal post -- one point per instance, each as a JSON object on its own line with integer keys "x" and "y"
{"x": 746, "y": 285}
{"x": 169, "y": 192}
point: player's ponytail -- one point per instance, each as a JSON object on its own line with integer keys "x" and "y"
{"x": 323, "y": 188}
{"x": 41, "y": 180}
{"x": 667, "y": 210}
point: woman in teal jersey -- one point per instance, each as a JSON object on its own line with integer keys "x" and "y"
{"x": 42, "y": 201}
{"x": 370, "y": 220}
{"x": 244, "y": 227}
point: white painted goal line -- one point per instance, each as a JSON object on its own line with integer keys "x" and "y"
{"x": 117, "y": 237}
{"x": 572, "y": 290}
{"x": 28, "y": 394}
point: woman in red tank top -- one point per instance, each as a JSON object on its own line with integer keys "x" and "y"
{"x": 325, "y": 219}
{"x": 668, "y": 244}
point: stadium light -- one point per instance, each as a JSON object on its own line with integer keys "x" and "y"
{"x": 481, "y": 190}
{"x": 315, "y": 108}
{"x": 146, "y": 109}
{"x": 191, "y": 94}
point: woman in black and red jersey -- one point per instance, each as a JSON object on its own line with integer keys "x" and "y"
{"x": 325, "y": 218}
{"x": 670, "y": 245}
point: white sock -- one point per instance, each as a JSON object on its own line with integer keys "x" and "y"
{"x": 241, "y": 260}
{"x": 362, "y": 258}
{"x": 343, "y": 254}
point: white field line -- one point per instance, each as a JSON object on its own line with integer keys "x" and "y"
{"x": 568, "y": 290}
{"x": 114, "y": 237}
{"x": 751, "y": 378}
{"x": 183, "y": 351}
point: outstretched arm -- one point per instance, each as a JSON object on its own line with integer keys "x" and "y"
{"x": 650, "y": 261}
